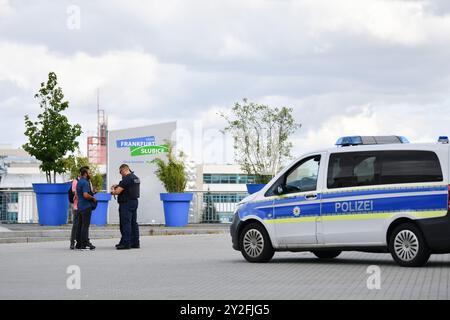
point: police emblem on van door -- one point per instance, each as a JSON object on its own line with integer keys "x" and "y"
{"x": 297, "y": 211}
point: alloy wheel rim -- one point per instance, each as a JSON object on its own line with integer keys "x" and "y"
{"x": 253, "y": 243}
{"x": 406, "y": 245}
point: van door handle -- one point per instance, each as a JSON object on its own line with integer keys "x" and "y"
{"x": 311, "y": 196}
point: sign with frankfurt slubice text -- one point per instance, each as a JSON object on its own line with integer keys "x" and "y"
{"x": 138, "y": 147}
{"x": 144, "y": 146}
{"x": 148, "y": 150}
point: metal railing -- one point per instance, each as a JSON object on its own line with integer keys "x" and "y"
{"x": 19, "y": 206}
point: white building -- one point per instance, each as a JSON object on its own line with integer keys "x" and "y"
{"x": 222, "y": 178}
{"x": 18, "y": 171}
{"x": 219, "y": 189}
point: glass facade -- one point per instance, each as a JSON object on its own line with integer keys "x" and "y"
{"x": 226, "y": 198}
{"x": 8, "y": 203}
{"x": 228, "y": 178}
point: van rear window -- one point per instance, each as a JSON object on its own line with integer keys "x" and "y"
{"x": 355, "y": 169}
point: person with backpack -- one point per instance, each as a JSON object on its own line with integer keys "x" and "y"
{"x": 86, "y": 204}
{"x": 73, "y": 198}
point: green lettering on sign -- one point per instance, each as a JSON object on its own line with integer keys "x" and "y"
{"x": 148, "y": 150}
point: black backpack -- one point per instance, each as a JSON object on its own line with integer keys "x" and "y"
{"x": 71, "y": 194}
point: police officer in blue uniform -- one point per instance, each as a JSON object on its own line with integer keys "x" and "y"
{"x": 128, "y": 192}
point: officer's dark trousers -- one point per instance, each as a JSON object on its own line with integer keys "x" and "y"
{"x": 75, "y": 222}
{"x": 128, "y": 223}
{"x": 84, "y": 221}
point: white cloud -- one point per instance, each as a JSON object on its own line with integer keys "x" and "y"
{"x": 393, "y": 21}
{"x": 130, "y": 74}
{"x": 233, "y": 47}
{"x": 5, "y": 8}
{"x": 417, "y": 123}
{"x": 286, "y": 27}
{"x": 129, "y": 78}
{"x": 346, "y": 67}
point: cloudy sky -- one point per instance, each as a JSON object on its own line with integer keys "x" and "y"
{"x": 345, "y": 67}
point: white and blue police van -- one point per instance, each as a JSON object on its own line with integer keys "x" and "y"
{"x": 370, "y": 193}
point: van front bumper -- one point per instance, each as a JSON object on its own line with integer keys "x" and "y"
{"x": 234, "y": 231}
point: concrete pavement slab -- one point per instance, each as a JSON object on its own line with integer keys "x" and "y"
{"x": 204, "y": 267}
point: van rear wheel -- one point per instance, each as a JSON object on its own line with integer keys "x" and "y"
{"x": 255, "y": 244}
{"x": 327, "y": 254}
{"x": 408, "y": 247}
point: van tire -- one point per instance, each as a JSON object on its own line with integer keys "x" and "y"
{"x": 408, "y": 247}
{"x": 327, "y": 254}
{"x": 255, "y": 244}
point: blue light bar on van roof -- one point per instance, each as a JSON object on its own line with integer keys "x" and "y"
{"x": 369, "y": 140}
{"x": 443, "y": 139}
{"x": 349, "y": 141}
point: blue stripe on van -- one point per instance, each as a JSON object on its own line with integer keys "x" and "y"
{"x": 255, "y": 209}
{"x": 414, "y": 203}
{"x": 307, "y": 210}
{"x": 394, "y": 204}
{"x": 376, "y": 205}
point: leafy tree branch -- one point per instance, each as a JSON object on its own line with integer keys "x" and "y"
{"x": 261, "y": 137}
{"x": 51, "y": 136}
{"x": 173, "y": 172}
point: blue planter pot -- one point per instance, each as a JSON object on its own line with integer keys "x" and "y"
{"x": 254, "y": 188}
{"x": 100, "y": 214}
{"x": 176, "y": 208}
{"x": 52, "y": 203}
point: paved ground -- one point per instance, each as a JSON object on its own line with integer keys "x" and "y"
{"x": 205, "y": 267}
{"x": 3, "y": 229}
{"x": 38, "y": 227}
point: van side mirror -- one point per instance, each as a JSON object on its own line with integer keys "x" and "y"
{"x": 281, "y": 189}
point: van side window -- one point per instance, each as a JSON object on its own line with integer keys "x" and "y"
{"x": 340, "y": 171}
{"x": 347, "y": 170}
{"x": 303, "y": 178}
{"x": 365, "y": 170}
{"x": 355, "y": 169}
{"x": 410, "y": 167}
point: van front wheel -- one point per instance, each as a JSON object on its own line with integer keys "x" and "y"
{"x": 407, "y": 246}
{"x": 255, "y": 244}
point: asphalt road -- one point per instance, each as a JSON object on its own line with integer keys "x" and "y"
{"x": 204, "y": 267}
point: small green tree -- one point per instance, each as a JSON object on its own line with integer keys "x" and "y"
{"x": 73, "y": 165}
{"x": 51, "y": 137}
{"x": 173, "y": 173}
{"x": 261, "y": 137}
